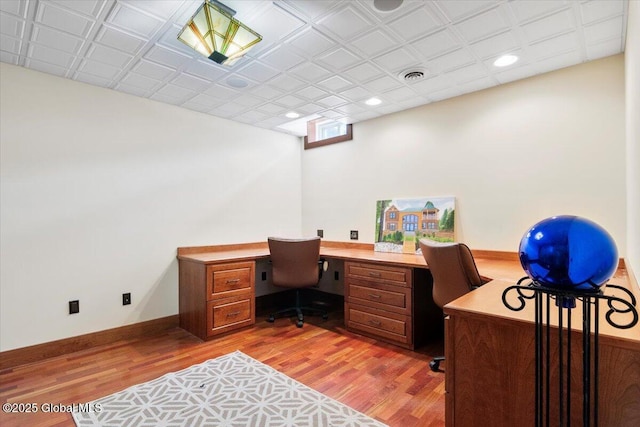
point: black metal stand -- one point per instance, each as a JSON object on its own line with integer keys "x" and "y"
{"x": 565, "y": 301}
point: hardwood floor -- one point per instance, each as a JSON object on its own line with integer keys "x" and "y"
{"x": 388, "y": 383}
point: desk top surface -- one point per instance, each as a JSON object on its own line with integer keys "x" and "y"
{"x": 500, "y": 271}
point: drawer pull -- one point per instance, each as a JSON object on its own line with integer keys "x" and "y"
{"x": 233, "y": 281}
{"x": 375, "y": 274}
{"x": 374, "y": 296}
{"x": 233, "y": 314}
{"x": 375, "y": 322}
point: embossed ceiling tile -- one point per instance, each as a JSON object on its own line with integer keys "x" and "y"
{"x": 449, "y": 61}
{"x": 397, "y": 60}
{"x": 382, "y": 84}
{"x": 482, "y": 25}
{"x": 444, "y": 94}
{"x": 468, "y": 73}
{"x": 11, "y": 25}
{"x": 252, "y": 116}
{"x": 514, "y": 74}
{"x": 258, "y": 72}
{"x": 335, "y": 115}
{"x": 161, "y": 8}
{"x": 272, "y": 108}
{"x": 63, "y": 19}
{"x": 132, "y": 90}
{"x": 310, "y": 72}
{"x": 204, "y": 69}
{"x": 119, "y": 39}
{"x": 266, "y": 92}
{"x": 433, "y": 84}
{"x": 14, "y": 7}
{"x": 90, "y": 8}
{"x": 355, "y": 94}
{"x": 57, "y": 39}
{"x": 477, "y": 84}
{"x": 460, "y": 9}
{"x": 548, "y": 26}
{"x": 139, "y": 81}
{"x": 596, "y": 10}
{"x": 604, "y": 30}
{"x": 133, "y": 20}
{"x": 191, "y": 82}
{"x": 345, "y": 22}
{"x": 331, "y": 101}
{"x": 311, "y": 42}
{"x": 374, "y": 42}
{"x": 10, "y": 45}
{"x": 351, "y": 108}
{"x": 556, "y": 62}
{"x": 606, "y": 48}
{"x": 363, "y": 72}
{"x": 153, "y": 70}
{"x": 221, "y": 92}
{"x": 496, "y": 45}
{"x": 248, "y": 100}
{"x": 52, "y": 56}
{"x": 274, "y": 24}
{"x": 553, "y": 46}
{"x": 309, "y": 108}
{"x": 286, "y": 83}
{"x": 436, "y": 44}
{"x": 339, "y": 59}
{"x": 531, "y": 9}
{"x": 311, "y": 92}
{"x": 92, "y": 79}
{"x": 335, "y": 83}
{"x": 45, "y": 67}
{"x": 415, "y": 24}
{"x": 175, "y": 92}
{"x": 99, "y": 69}
{"x": 281, "y": 58}
{"x": 170, "y": 39}
{"x": 313, "y": 8}
{"x": 399, "y": 94}
{"x": 166, "y": 57}
{"x": 290, "y": 101}
{"x": 108, "y": 55}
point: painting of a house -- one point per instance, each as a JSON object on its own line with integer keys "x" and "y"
{"x": 401, "y": 223}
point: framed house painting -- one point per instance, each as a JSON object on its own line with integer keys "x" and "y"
{"x": 401, "y": 223}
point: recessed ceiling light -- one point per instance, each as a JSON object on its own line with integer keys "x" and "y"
{"x": 237, "y": 82}
{"x": 505, "y": 60}
{"x": 387, "y": 5}
{"x": 292, "y": 115}
{"x": 373, "y": 101}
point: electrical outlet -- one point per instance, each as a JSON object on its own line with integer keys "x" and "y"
{"x": 74, "y": 307}
{"x": 264, "y": 275}
{"x": 320, "y": 233}
{"x": 354, "y": 234}
{"x": 126, "y": 298}
{"x": 336, "y": 275}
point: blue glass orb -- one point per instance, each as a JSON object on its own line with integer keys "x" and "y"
{"x": 568, "y": 253}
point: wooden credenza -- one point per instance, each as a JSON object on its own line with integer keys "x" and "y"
{"x": 216, "y": 298}
{"x": 389, "y": 302}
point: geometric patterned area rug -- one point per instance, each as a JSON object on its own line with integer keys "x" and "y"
{"x": 231, "y": 390}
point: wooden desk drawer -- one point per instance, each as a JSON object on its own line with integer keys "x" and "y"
{"x": 387, "y": 297}
{"x": 229, "y": 278}
{"x": 229, "y": 314}
{"x": 398, "y": 276}
{"x": 379, "y": 323}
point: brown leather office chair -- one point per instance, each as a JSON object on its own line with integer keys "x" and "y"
{"x": 295, "y": 264}
{"x": 454, "y": 274}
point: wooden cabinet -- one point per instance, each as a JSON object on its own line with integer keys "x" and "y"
{"x": 380, "y": 302}
{"x": 216, "y": 298}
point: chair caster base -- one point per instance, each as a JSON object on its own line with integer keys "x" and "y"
{"x": 435, "y": 365}
{"x": 271, "y": 319}
{"x": 299, "y": 323}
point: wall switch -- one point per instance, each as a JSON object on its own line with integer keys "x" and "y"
{"x": 126, "y": 298}
{"x": 74, "y": 307}
{"x": 320, "y": 233}
{"x": 354, "y": 234}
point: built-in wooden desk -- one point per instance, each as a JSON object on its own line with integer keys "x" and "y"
{"x": 489, "y": 349}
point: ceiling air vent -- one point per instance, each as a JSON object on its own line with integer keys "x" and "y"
{"x": 413, "y": 75}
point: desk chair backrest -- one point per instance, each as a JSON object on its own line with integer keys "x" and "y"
{"x": 295, "y": 262}
{"x": 453, "y": 269}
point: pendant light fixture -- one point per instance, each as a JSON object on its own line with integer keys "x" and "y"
{"x": 216, "y": 34}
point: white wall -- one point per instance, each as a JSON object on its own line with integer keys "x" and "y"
{"x": 511, "y": 155}
{"x": 632, "y": 74}
{"x": 99, "y": 188}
